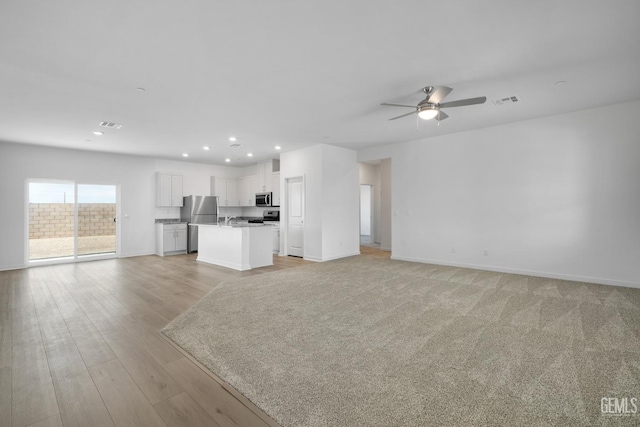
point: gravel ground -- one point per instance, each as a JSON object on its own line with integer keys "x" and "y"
{"x": 63, "y": 246}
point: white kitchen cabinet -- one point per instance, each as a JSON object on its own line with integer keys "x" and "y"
{"x": 226, "y": 190}
{"x": 171, "y": 239}
{"x": 262, "y": 185}
{"x": 276, "y": 240}
{"x": 240, "y": 248}
{"x": 232, "y": 192}
{"x": 247, "y": 190}
{"x": 264, "y": 178}
{"x": 275, "y": 188}
{"x": 168, "y": 190}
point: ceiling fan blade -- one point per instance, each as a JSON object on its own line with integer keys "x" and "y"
{"x": 404, "y": 115}
{"x": 463, "y": 102}
{"x": 397, "y": 105}
{"x": 441, "y": 115}
{"x": 439, "y": 94}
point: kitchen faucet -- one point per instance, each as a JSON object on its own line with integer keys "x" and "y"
{"x": 227, "y": 219}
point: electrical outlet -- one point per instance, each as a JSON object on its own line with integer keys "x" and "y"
{"x": 486, "y": 252}
{"x": 453, "y": 250}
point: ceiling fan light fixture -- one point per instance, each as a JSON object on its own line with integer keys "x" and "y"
{"x": 427, "y": 113}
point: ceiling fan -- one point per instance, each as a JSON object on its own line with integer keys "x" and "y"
{"x": 429, "y": 107}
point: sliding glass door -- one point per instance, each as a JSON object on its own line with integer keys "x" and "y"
{"x": 68, "y": 220}
{"x": 96, "y": 219}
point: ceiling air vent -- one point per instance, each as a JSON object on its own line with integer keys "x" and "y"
{"x": 507, "y": 100}
{"x": 110, "y": 125}
{"x": 235, "y": 144}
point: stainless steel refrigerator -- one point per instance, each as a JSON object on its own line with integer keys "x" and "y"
{"x": 198, "y": 210}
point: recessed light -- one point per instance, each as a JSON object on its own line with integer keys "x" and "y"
{"x": 97, "y": 132}
{"x": 205, "y": 148}
{"x": 278, "y": 147}
{"x": 185, "y": 155}
{"x": 249, "y": 154}
{"x": 227, "y": 160}
{"x": 233, "y": 139}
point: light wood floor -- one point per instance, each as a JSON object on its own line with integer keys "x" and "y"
{"x": 79, "y": 346}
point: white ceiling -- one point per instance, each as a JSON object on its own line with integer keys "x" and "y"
{"x": 298, "y": 73}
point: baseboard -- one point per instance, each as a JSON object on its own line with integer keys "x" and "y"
{"x": 55, "y": 262}
{"x": 345, "y": 255}
{"x": 599, "y": 280}
{"x": 223, "y": 263}
{"x": 130, "y": 255}
{"x": 13, "y": 267}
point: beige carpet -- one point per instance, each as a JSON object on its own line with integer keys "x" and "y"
{"x": 365, "y": 341}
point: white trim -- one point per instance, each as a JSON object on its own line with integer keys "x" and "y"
{"x": 71, "y": 259}
{"x": 13, "y": 267}
{"x": 223, "y": 263}
{"x": 598, "y": 280}
{"x": 134, "y": 254}
{"x": 345, "y": 255}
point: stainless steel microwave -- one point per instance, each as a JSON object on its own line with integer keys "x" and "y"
{"x": 263, "y": 199}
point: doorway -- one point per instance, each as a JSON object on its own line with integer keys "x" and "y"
{"x": 366, "y": 214}
{"x": 70, "y": 221}
{"x": 375, "y": 185}
{"x": 295, "y": 217}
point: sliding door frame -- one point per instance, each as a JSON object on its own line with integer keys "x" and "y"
{"x": 75, "y": 257}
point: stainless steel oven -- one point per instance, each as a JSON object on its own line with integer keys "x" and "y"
{"x": 263, "y": 199}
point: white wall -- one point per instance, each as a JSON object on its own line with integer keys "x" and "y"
{"x": 135, "y": 175}
{"x": 385, "y": 205}
{"x": 341, "y": 203}
{"x": 331, "y": 199}
{"x": 306, "y": 163}
{"x": 556, "y": 196}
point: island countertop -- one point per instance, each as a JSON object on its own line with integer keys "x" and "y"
{"x": 235, "y": 225}
{"x": 240, "y": 246}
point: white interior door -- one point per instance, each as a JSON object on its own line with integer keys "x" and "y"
{"x": 295, "y": 217}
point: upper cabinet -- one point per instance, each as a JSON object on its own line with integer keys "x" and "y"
{"x": 168, "y": 190}
{"x": 247, "y": 190}
{"x": 226, "y": 190}
{"x": 275, "y": 186}
{"x": 265, "y": 171}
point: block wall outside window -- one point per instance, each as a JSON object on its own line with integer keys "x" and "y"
{"x": 51, "y": 220}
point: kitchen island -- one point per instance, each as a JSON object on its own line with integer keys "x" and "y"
{"x": 238, "y": 246}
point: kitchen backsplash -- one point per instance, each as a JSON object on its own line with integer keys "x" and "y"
{"x": 167, "y": 213}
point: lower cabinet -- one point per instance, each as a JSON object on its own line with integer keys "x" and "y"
{"x": 171, "y": 239}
